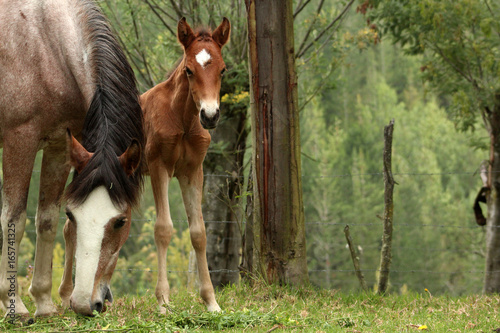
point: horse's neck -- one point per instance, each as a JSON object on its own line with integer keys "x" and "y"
{"x": 182, "y": 103}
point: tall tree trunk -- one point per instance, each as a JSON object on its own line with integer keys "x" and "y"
{"x": 221, "y": 205}
{"x": 492, "y": 274}
{"x": 279, "y": 226}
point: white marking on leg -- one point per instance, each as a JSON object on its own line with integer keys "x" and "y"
{"x": 203, "y": 57}
{"x": 92, "y": 217}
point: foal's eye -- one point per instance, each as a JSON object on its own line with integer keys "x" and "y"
{"x": 120, "y": 223}
{"x": 189, "y": 72}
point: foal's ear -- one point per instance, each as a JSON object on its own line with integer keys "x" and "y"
{"x": 221, "y": 34}
{"x": 78, "y": 155}
{"x": 131, "y": 158}
{"x": 185, "y": 34}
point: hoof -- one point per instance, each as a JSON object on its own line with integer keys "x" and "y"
{"x": 46, "y": 311}
{"x": 28, "y": 321}
{"x": 46, "y": 314}
{"x": 24, "y": 318}
{"x": 214, "y": 308}
{"x": 65, "y": 304}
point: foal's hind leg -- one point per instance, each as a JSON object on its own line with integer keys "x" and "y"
{"x": 192, "y": 188}
{"x": 52, "y": 180}
{"x": 163, "y": 229}
{"x": 18, "y": 158}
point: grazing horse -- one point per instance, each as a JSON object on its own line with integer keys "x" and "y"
{"x": 177, "y": 114}
{"x": 63, "y": 72}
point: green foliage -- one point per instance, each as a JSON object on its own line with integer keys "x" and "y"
{"x": 318, "y": 65}
{"x": 57, "y": 269}
{"x": 460, "y": 44}
{"x": 432, "y": 164}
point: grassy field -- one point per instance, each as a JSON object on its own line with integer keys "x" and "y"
{"x": 263, "y": 308}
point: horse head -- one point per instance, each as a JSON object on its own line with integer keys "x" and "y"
{"x": 96, "y": 229}
{"x": 204, "y": 67}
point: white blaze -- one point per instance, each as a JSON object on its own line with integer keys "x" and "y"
{"x": 203, "y": 57}
{"x": 92, "y": 216}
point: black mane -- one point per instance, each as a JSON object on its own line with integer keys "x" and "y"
{"x": 113, "y": 120}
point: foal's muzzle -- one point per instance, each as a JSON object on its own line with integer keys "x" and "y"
{"x": 209, "y": 122}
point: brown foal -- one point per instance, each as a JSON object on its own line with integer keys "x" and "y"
{"x": 177, "y": 114}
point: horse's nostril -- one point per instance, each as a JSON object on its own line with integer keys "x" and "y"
{"x": 97, "y": 306}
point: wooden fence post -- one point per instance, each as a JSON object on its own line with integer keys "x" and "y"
{"x": 386, "y": 255}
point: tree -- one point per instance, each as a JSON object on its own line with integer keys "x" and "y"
{"x": 460, "y": 44}
{"x": 279, "y": 230}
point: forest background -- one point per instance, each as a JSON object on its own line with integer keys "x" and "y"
{"x": 351, "y": 84}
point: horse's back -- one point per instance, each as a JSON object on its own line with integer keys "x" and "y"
{"x": 46, "y": 78}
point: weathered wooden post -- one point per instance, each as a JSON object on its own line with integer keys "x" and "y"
{"x": 386, "y": 255}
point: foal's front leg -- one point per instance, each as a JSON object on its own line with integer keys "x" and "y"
{"x": 160, "y": 181}
{"x": 192, "y": 188}
{"x": 52, "y": 180}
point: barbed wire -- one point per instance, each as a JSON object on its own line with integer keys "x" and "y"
{"x": 333, "y": 223}
{"x": 312, "y": 222}
{"x": 144, "y": 269}
{"x": 446, "y": 173}
{"x": 403, "y": 271}
{"x": 223, "y": 270}
{"x": 375, "y": 173}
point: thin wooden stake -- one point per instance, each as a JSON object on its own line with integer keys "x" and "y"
{"x": 355, "y": 258}
{"x": 385, "y": 254}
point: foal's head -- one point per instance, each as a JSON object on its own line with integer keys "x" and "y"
{"x": 204, "y": 67}
{"x": 97, "y": 225}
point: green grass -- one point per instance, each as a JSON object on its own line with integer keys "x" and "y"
{"x": 263, "y": 308}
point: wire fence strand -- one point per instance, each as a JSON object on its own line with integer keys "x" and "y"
{"x": 337, "y": 248}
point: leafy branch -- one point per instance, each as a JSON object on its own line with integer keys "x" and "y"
{"x": 305, "y": 47}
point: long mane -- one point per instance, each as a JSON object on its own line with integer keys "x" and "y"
{"x": 114, "y": 117}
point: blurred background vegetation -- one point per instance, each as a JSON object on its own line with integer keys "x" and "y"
{"x": 351, "y": 83}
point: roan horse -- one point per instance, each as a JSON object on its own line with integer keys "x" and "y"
{"x": 177, "y": 114}
{"x": 62, "y": 70}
